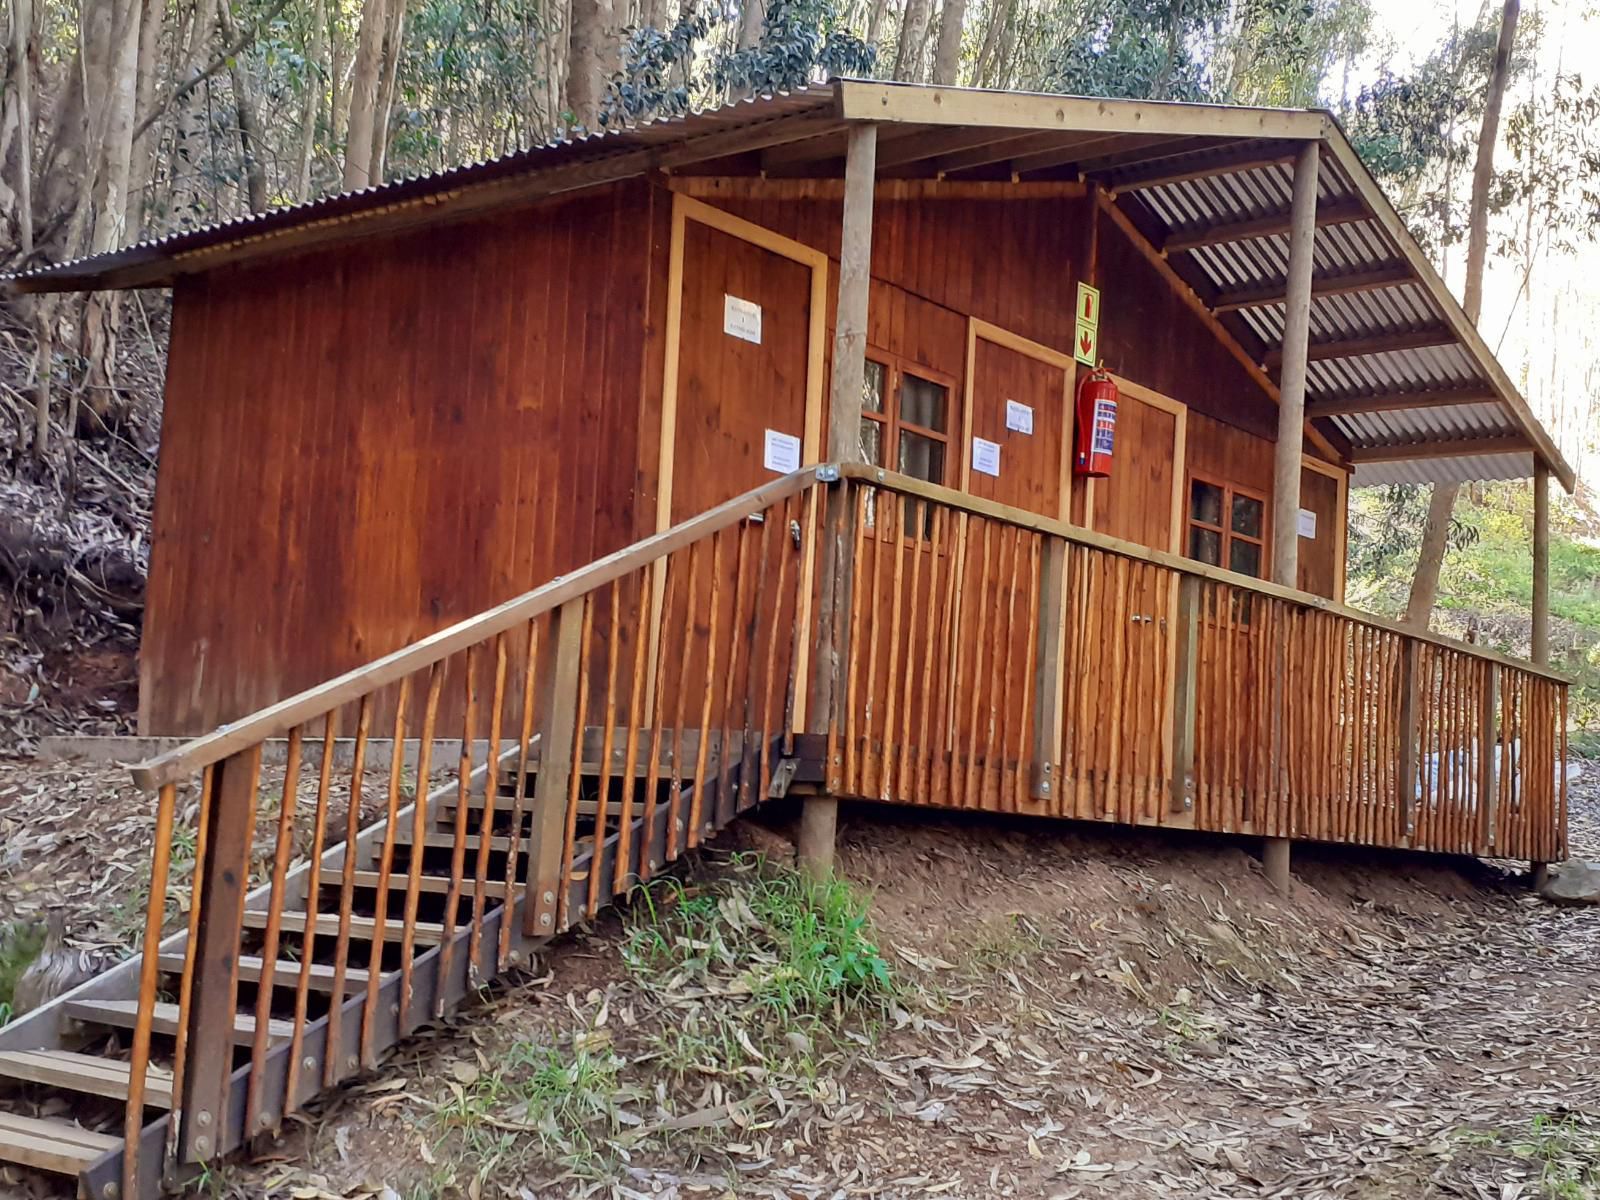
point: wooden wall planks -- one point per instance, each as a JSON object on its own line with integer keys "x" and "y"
{"x": 364, "y": 445}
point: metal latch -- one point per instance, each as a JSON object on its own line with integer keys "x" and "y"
{"x": 782, "y": 777}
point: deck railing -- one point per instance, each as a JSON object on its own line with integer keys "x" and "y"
{"x": 1004, "y": 661}
{"x": 639, "y": 736}
{"x": 921, "y": 646}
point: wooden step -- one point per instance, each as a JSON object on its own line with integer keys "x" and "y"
{"x": 124, "y": 1014}
{"x": 84, "y": 1073}
{"x": 57, "y": 1146}
{"x": 284, "y": 974}
{"x": 433, "y": 884}
{"x": 441, "y": 838}
{"x": 361, "y": 928}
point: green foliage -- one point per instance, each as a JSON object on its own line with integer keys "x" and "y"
{"x": 19, "y": 946}
{"x": 1565, "y": 1151}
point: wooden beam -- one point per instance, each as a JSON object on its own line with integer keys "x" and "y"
{"x": 1071, "y": 151}
{"x": 1286, "y": 456}
{"x": 1372, "y": 343}
{"x": 754, "y": 187}
{"x": 914, "y": 146}
{"x": 1357, "y": 403}
{"x": 1455, "y": 317}
{"x": 1001, "y": 149}
{"x": 779, "y": 132}
{"x": 1178, "y": 172}
{"x": 1267, "y": 294}
{"x": 1273, "y": 224}
{"x": 1185, "y": 685}
{"x": 1460, "y": 448}
{"x": 874, "y": 100}
{"x": 1541, "y": 564}
{"x": 1185, "y": 293}
{"x": 1408, "y": 710}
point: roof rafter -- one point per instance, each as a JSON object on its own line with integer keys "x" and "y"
{"x": 1459, "y": 448}
{"x": 1354, "y": 404}
{"x": 1276, "y": 292}
{"x": 1385, "y": 342}
{"x": 1273, "y": 224}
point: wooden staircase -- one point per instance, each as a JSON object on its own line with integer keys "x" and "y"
{"x": 359, "y": 935}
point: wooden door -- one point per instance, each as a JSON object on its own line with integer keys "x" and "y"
{"x": 745, "y": 333}
{"x": 1017, "y": 403}
{"x": 1140, "y": 502}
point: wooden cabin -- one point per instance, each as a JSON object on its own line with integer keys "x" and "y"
{"x": 737, "y": 457}
{"x": 390, "y": 410}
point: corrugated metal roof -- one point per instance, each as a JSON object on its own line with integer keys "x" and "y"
{"x": 1360, "y": 248}
{"x": 1372, "y": 282}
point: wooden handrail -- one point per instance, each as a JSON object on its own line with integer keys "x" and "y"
{"x": 934, "y": 493}
{"x": 276, "y": 719}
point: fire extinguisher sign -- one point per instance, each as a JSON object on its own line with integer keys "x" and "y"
{"x": 1086, "y": 337}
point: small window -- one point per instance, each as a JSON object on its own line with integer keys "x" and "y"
{"x": 1240, "y": 543}
{"x": 911, "y": 435}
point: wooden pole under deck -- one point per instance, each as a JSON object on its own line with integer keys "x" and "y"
{"x": 820, "y": 816}
{"x": 1286, "y": 466}
{"x": 1541, "y": 596}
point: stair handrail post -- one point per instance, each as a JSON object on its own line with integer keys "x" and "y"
{"x": 559, "y": 723}
{"x": 207, "y": 1027}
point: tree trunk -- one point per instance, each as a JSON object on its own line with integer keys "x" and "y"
{"x": 912, "y": 50}
{"x": 153, "y": 15}
{"x": 586, "y": 62}
{"x": 1425, "y": 583}
{"x": 311, "y": 101}
{"x": 21, "y": 53}
{"x": 994, "y": 33}
{"x": 252, "y": 144}
{"x": 365, "y": 84}
{"x": 393, "y": 34}
{"x": 947, "y": 57}
{"x": 752, "y": 20}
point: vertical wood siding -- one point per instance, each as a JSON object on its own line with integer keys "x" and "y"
{"x": 364, "y": 445}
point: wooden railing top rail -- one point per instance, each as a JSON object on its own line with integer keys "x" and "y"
{"x": 934, "y": 493}
{"x": 277, "y": 719}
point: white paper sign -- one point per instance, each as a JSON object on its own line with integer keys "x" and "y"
{"x": 741, "y": 318}
{"x": 1019, "y": 417}
{"x": 781, "y": 453}
{"x": 985, "y": 456}
{"x": 1307, "y": 523}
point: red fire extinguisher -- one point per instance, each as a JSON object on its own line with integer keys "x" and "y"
{"x": 1097, "y": 424}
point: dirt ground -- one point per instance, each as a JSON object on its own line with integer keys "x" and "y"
{"x": 1080, "y": 1012}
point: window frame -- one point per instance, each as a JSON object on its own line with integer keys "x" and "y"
{"x": 896, "y": 367}
{"x": 1225, "y": 530}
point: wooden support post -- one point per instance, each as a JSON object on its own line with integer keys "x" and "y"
{"x": 1488, "y": 769}
{"x": 1275, "y": 861}
{"x": 1050, "y": 671}
{"x": 1406, "y": 720}
{"x": 1287, "y": 465}
{"x": 1292, "y": 387}
{"x": 558, "y": 729}
{"x": 210, "y": 1020}
{"x": 1541, "y": 564}
{"x": 820, "y": 815}
{"x": 1185, "y": 674}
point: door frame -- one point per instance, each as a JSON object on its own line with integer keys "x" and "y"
{"x": 1180, "y": 457}
{"x": 1341, "y": 550}
{"x": 684, "y": 210}
{"x": 998, "y": 335}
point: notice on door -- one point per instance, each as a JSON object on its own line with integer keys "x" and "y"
{"x": 781, "y": 453}
{"x": 986, "y": 456}
{"x": 1307, "y": 523}
{"x": 741, "y": 318}
{"x": 1019, "y": 417}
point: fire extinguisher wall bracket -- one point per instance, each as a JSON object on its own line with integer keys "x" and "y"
{"x": 1096, "y": 421}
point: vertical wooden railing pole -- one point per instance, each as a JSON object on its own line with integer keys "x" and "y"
{"x": 1488, "y": 749}
{"x": 1049, "y": 673}
{"x": 558, "y": 731}
{"x": 210, "y": 1019}
{"x": 1406, "y": 732}
{"x": 149, "y": 984}
{"x": 819, "y": 817}
{"x": 1541, "y": 564}
{"x": 1186, "y": 674}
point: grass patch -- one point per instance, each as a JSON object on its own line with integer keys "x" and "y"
{"x": 1564, "y": 1151}
{"x": 19, "y": 946}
